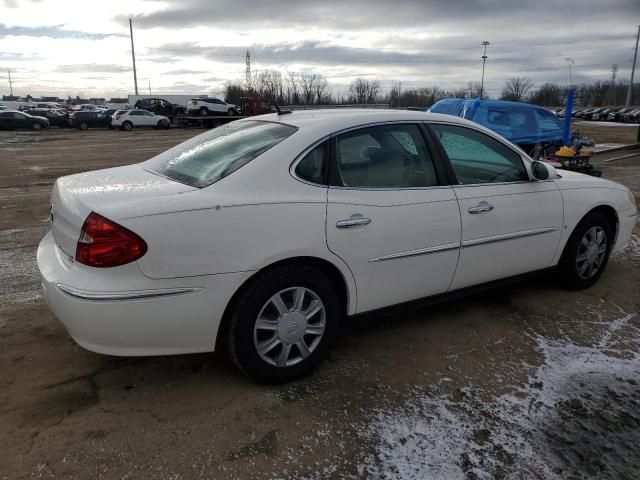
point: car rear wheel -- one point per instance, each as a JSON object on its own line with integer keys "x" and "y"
{"x": 126, "y": 126}
{"x": 204, "y": 112}
{"x": 37, "y": 126}
{"x": 283, "y": 324}
{"x": 232, "y": 112}
{"x": 164, "y": 124}
{"x": 83, "y": 125}
{"x": 587, "y": 252}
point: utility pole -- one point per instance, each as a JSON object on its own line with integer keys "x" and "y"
{"x": 614, "y": 71}
{"x": 248, "y": 68}
{"x": 149, "y": 87}
{"x": 485, "y": 44}
{"x": 633, "y": 70}
{"x": 133, "y": 57}
{"x": 570, "y": 62}
{"x": 10, "y": 83}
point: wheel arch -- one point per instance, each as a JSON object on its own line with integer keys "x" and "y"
{"x": 607, "y": 210}
{"x": 345, "y": 288}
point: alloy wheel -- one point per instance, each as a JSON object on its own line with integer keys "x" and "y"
{"x": 592, "y": 250}
{"x": 289, "y": 327}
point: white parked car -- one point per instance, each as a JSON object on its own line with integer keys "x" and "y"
{"x": 210, "y": 106}
{"x": 128, "y": 119}
{"x": 260, "y": 235}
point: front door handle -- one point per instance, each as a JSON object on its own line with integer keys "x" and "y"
{"x": 481, "y": 208}
{"x": 354, "y": 221}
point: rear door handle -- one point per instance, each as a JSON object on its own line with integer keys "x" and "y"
{"x": 354, "y": 221}
{"x": 481, "y": 208}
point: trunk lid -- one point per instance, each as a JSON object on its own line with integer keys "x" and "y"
{"x": 106, "y": 192}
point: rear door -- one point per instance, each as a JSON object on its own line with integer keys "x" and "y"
{"x": 390, "y": 214}
{"x": 510, "y": 224}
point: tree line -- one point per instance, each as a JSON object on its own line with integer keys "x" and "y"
{"x": 293, "y": 88}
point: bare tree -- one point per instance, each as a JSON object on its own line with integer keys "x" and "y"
{"x": 362, "y": 90}
{"x": 516, "y": 88}
{"x": 475, "y": 89}
{"x": 293, "y": 88}
{"x": 321, "y": 85}
{"x": 308, "y": 86}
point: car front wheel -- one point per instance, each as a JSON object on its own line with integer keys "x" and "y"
{"x": 126, "y": 126}
{"x": 83, "y": 126}
{"x": 587, "y": 252}
{"x": 283, "y": 324}
{"x": 204, "y": 112}
{"x": 37, "y": 126}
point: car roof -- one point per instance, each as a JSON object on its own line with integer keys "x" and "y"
{"x": 348, "y": 117}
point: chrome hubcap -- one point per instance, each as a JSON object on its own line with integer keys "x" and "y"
{"x": 591, "y": 252}
{"x": 289, "y": 326}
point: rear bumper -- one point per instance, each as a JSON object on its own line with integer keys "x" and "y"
{"x": 121, "y": 312}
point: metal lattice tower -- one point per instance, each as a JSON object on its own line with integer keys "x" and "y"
{"x": 248, "y": 71}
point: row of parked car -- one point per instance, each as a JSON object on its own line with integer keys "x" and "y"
{"x": 36, "y": 119}
{"x": 602, "y": 114}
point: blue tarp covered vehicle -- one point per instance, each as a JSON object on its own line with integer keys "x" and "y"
{"x": 520, "y": 123}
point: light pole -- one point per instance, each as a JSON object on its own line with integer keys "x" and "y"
{"x": 133, "y": 57}
{"x": 485, "y": 44}
{"x": 570, "y": 62}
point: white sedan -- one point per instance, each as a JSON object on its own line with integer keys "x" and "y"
{"x": 128, "y": 119}
{"x": 260, "y": 235}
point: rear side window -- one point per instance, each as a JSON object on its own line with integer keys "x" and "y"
{"x": 313, "y": 166}
{"x": 389, "y": 156}
{"x": 207, "y": 158}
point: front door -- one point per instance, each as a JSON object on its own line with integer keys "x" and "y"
{"x": 390, "y": 217}
{"x": 510, "y": 224}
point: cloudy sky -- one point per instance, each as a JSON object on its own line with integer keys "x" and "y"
{"x": 74, "y": 47}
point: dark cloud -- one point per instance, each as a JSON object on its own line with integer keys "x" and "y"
{"x": 52, "y": 31}
{"x": 92, "y": 68}
{"x": 377, "y": 14}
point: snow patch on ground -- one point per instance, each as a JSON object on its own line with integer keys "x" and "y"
{"x": 577, "y": 416}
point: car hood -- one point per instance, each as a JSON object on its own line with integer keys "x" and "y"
{"x": 570, "y": 180}
{"x": 44, "y": 119}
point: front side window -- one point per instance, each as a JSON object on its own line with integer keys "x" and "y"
{"x": 392, "y": 156}
{"x": 207, "y": 158}
{"x": 478, "y": 158}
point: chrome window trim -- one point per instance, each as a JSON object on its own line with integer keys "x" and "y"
{"x": 300, "y": 157}
{"x": 126, "y": 295}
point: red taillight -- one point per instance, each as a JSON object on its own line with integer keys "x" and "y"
{"x": 118, "y": 117}
{"x": 104, "y": 243}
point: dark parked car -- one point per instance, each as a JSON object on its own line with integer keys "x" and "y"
{"x": 616, "y": 115}
{"x": 13, "y": 119}
{"x": 57, "y": 118}
{"x": 159, "y": 106}
{"x": 632, "y": 117}
{"x": 84, "y": 120}
{"x": 600, "y": 114}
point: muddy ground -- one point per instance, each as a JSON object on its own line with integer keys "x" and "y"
{"x": 528, "y": 381}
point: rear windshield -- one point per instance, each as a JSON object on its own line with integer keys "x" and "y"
{"x": 207, "y": 158}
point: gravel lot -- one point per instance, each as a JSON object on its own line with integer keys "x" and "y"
{"x": 527, "y": 381}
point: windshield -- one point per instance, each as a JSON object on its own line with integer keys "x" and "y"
{"x": 207, "y": 158}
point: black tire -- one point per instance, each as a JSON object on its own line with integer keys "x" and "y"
{"x": 239, "y": 334}
{"x": 37, "y": 126}
{"x": 204, "y": 112}
{"x": 232, "y": 112}
{"x": 164, "y": 124}
{"x": 126, "y": 126}
{"x": 83, "y": 126}
{"x": 569, "y": 262}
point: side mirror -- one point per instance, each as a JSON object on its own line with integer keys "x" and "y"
{"x": 543, "y": 171}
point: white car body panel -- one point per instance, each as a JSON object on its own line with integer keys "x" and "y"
{"x": 205, "y": 243}
{"x": 528, "y": 216}
{"x": 405, "y": 224}
{"x": 147, "y": 120}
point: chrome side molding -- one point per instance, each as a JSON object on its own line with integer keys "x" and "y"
{"x": 115, "y": 296}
